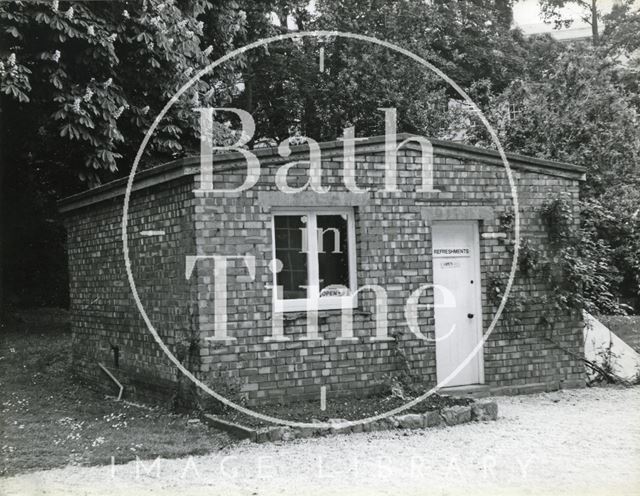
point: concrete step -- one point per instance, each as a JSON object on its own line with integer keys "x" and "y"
{"x": 467, "y": 391}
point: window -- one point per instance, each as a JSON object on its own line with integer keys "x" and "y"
{"x": 314, "y": 272}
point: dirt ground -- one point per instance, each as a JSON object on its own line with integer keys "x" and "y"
{"x": 48, "y": 419}
{"x": 568, "y": 442}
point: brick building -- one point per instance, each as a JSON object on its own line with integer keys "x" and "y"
{"x": 458, "y": 237}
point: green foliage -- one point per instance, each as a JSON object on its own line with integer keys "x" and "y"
{"x": 288, "y": 95}
{"x": 506, "y": 221}
{"x": 558, "y": 216}
{"x": 77, "y": 78}
{"x": 576, "y": 111}
{"x": 516, "y": 303}
{"x": 614, "y": 220}
{"x": 580, "y": 104}
{"x": 622, "y": 25}
{"x": 468, "y": 40}
{"x": 579, "y": 266}
{"x": 83, "y": 76}
{"x": 528, "y": 258}
{"x": 80, "y": 83}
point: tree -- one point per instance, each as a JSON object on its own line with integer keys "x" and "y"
{"x": 79, "y": 85}
{"x": 552, "y": 12}
{"x": 620, "y": 42}
{"x": 288, "y": 94}
{"x": 575, "y": 111}
{"x": 614, "y": 219}
{"x": 622, "y": 25}
{"x": 81, "y": 77}
{"x": 579, "y": 110}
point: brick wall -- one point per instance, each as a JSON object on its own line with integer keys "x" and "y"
{"x": 393, "y": 250}
{"x": 103, "y": 311}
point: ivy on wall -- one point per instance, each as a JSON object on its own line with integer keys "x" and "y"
{"x": 574, "y": 267}
{"x": 577, "y": 266}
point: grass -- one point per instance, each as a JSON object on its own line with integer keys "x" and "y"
{"x": 48, "y": 420}
{"x": 626, "y": 327}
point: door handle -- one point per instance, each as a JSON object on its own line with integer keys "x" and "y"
{"x": 470, "y": 315}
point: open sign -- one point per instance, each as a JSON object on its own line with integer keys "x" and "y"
{"x": 334, "y": 290}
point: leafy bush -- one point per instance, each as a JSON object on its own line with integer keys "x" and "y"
{"x": 580, "y": 265}
{"x": 83, "y": 76}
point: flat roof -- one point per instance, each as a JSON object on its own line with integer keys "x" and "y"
{"x": 189, "y": 166}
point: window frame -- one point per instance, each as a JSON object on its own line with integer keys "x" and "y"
{"x": 313, "y": 300}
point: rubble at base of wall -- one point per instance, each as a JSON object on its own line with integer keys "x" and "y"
{"x": 456, "y": 415}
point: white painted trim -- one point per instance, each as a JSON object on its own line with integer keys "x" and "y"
{"x": 477, "y": 273}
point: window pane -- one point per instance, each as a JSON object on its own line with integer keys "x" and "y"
{"x": 293, "y": 275}
{"x": 333, "y": 255}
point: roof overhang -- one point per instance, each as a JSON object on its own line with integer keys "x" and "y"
{"x": 189, "y": 166}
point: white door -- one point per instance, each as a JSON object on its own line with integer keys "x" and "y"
{"x": 457, "y": 301}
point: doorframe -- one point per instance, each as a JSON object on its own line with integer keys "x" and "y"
{"x": 477, "y": 277}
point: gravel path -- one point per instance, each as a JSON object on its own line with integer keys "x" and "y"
{"x": 567, "y": 442}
